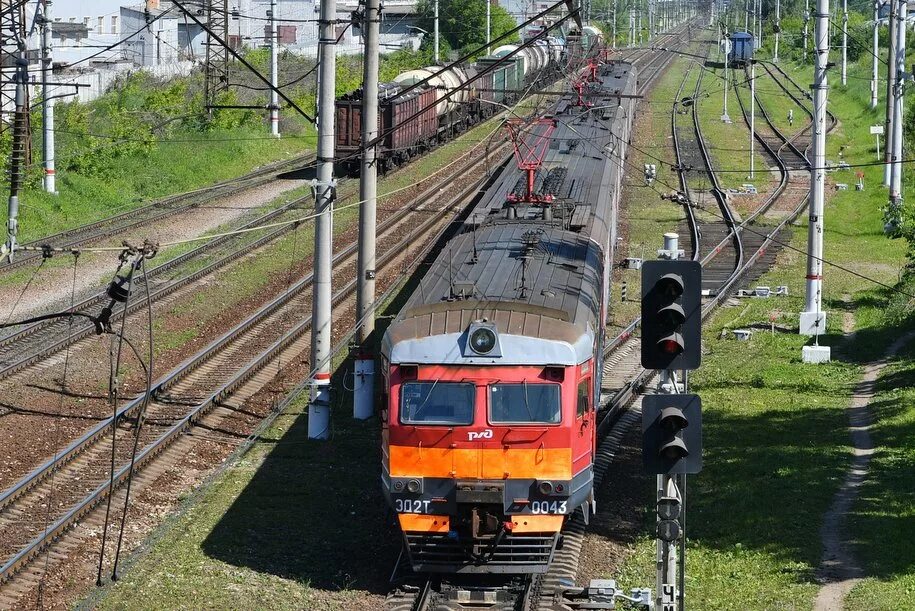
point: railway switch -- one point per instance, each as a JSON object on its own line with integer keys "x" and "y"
{"x": 671, "y": 437}
{"x": 671, "y": 314}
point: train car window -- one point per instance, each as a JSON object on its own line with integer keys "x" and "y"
{"x": 584, "y": 396}
{"x": 437, "y": 403}
{"x": 524, "y": 403}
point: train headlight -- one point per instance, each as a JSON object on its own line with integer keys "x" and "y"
{"x": 398, "y": 486}
{"x": 482, "y": 340}
{"x": 413, "y": 486}
{"x": 546, "y": 487}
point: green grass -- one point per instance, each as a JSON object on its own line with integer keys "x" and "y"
{"x": 883, "y": 516}
{"x": 775, "y": 430}
{"x": 169, "y": 168}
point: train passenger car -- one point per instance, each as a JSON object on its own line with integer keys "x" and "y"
{"x": 492, "y": 369}
{"x": 741, "y": 49}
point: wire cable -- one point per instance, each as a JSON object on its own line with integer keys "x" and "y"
{"x": 113, "y": 388}
{"x": 57, "y": 444}
{"x": 141, "y": 415}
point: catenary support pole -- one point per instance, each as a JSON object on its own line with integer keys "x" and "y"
{"x": 727, "y": 46}
{"x": 875, "y": 79}
{"x": 778, "y": 28}
{"x": 639, "y": 27}
{"x": 324, "y": 187}
{"x": 898, "y": 116}
{"x": 613, "y": 43}
{"x": 844, "y": 42}
{"x": 813, "y": 319}
{"x": 274, "y": 74}
{"x": 18, "y": 150}
{"x": 47, "y": 100}
{"x": 364, "y": 382}
{"x": 435, "y": 56}
{"x": 890, "y": 88}
{"x": 488, "y": 26}
{"x": 806, "y": 26}
{"x": 752, "y": 117}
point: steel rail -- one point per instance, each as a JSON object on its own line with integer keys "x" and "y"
{"x": 87, "y": 328}
{"x": 169, "y": 206}
{"x": 201, "y": 357}
{"x": 16, "y": 563}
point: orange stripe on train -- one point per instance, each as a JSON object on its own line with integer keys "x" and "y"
{"x": 495, "y": 463}
{"x": 415, "y": 522}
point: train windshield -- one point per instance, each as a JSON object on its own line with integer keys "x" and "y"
{"x": 437, "y": 403}
{"x": 524, "y": 403}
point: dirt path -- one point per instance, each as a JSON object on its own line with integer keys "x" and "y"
{"x": 50, "y": 289}
{"x": 839, "y": 571}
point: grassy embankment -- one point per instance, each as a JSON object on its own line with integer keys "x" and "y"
{"x": 776, "y": 442}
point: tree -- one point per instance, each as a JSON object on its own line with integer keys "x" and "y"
{"x": 462, "y": 23}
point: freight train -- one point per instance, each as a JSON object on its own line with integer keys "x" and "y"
{"x": 413, "y": 119}
{"x": 492, "y": 369}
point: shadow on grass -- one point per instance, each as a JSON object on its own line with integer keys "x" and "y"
{"x": 767, "y": 481}
{"x": 313, "y": 512}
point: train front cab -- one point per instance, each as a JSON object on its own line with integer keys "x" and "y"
{"x": 482, "y": 464}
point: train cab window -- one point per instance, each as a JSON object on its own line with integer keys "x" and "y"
{"x": 437, "y": 403}
{"x": 524, "y": 403}
{"x": 584, "y": 397}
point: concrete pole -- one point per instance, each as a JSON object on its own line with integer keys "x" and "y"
{"x": 752, "y": 116}
{"x": 641, "y": 10}
{"x": 806, "y": 26}
{"x": 724, "y": 114}
{"x": 319, "y": 407}
{"x": 778, "y": 28}
{"x": 613, "y": 44}
{"x": 746, "y": 16}
{"x": 898, "y": 116}
{"x": 759, "y": 27}
{"x": 435, "y": 34}
{"x": 364, "y": 382}
{"x": 813, "y": 320}
{"x": 844, "y": 42}
{"x": 47, "y": 101}
{"x": 631, "y": 26}
{"x": 274, "y": 74}
{"x": 876, "y": 54}
{"x": 17, "y": 152}
{"x": 488, "y": 26}
{"x": 890, "y": 88}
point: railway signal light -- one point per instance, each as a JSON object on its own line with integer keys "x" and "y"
{"x": 672, "y": 434}
{"x": 671, "y": 314}
{"x": 668, "y": 527}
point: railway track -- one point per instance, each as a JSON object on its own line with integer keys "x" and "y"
{"x": 37, "y": 341}
{"x": 531, "y": 592}
{"x": 625, "y": 380}
{"x": 156, "y": 211}
{"x": 201, "y": 392}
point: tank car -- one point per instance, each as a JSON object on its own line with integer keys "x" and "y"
{"x": 492, "y": 369}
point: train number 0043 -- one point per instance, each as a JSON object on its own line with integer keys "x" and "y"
{"x": 411, "y": 506}
{"x": 541, "y": 507}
